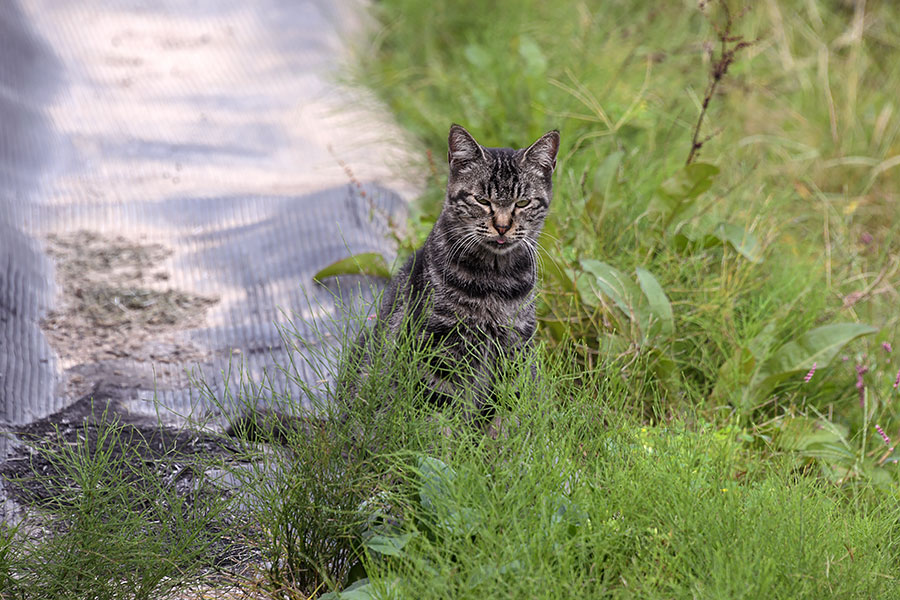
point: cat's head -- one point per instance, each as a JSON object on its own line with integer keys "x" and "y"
{"x": 498, "y": 197}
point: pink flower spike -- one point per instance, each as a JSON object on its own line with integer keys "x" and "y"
{"x": 897, "y": 381}
{"x": 884, "y": 436}
{"x": 886, "y": 346}
{"x": 810, "y": 374}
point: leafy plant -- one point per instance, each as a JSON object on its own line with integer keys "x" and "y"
{"x": 759, "y": 367}
{"x": 367, "y": 263}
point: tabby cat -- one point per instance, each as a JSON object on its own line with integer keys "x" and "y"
{"x": 470, "y": 287}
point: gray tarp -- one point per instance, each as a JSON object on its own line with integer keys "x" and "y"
{"x": 188, "y": 163}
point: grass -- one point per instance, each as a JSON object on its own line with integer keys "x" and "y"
{"x": 729, "y": 450}
{"x": 574, "y": 497}
{"x": 780, "y": 232}
{"x": 108, "y": 520}
{"x": 592, "y": 510}
{"x": 785, "y": 225}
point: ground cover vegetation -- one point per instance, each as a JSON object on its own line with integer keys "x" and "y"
{"x": 722, "y": 247}
{"x": 717, "y": 406}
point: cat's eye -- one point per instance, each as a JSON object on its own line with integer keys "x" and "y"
{"x": 523, "y": 203}
{"x": 482, "y": 201}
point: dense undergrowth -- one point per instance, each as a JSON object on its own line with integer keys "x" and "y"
{"x": 722, "y": 247}
{"x": 723, "y": 283}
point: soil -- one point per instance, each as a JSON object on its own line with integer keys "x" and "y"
{"x": 116, "y": 306}
{"x": 34, "y": 478}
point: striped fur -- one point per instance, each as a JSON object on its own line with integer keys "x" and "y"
{"x": 470, "y": 287}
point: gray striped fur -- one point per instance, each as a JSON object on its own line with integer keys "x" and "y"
{"x": 470, "y": 287}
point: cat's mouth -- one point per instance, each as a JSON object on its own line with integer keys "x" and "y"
{"x": 501, "y": 243}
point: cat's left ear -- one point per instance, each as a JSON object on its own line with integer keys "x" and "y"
{"x": 542, "y": 153}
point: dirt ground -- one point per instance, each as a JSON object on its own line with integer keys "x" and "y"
{"x": 116, "y": 305}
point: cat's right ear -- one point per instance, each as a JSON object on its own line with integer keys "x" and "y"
{"x": 463, "y": 149}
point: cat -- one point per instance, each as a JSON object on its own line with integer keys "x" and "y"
{"x": 469, "y": 289}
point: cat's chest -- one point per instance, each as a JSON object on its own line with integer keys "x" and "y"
{"x": 498, "y": 320}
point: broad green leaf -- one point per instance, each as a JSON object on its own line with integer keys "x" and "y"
{"x": 587, "y": 290}
{"x": 619, "y": 288}
{"x": 815, "y": 438}
{"x": 743, "y": 242}
{"x": 389, "y": 545}
{"x": 367, "y": 263}
{"x": 436, "y": 497}
{"x": 437, "y": 479}
{"x": 708, "y": 236}
{"x": 462, "y": 521}
{"x": 615, "y": 285}
{"x": 737, "y": 372}
{"x": 660, "y": 307}
{"x": 359, "y": 590}
{"x": 489, "y": 572}
{"x": 665, "y": 368}
{"x": 799, "y": 433}
{"x": 677, "y": 192}
{"x": 817, "y": 346}
{"x": 613, "y": 345}
{"x": 689, "y": 182}
{"x": 762, "y": 342}
{"x": 734, "y": 374}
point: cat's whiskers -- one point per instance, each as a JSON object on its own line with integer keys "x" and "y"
{"x": 465, "y": 245}
{"x": 458, "y": 248}
{"x": 531, "y": 245}
{"x": 551, "y": 236}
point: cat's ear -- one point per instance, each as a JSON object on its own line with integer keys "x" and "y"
{"x": 463, "y": 149}
{"x": 542, "y": 153}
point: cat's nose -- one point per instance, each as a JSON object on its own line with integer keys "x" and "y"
{"x": 501, "y": 229}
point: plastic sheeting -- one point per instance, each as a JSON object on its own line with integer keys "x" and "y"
{"x": 197, "y": 154}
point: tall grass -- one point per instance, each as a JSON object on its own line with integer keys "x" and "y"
{"x": 108, "y": 521}
{"x": 795, "y": 231}
{"x": 571, "y": 505}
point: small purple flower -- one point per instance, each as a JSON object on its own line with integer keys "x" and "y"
{"x": 866, "y": 238}
{"x": 810, "y": 374}
{"x": 884, "y": 436}
{"x": 897, "y": 381}
{"x": 887, "y": 347}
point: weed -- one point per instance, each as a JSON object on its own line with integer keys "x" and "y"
{"x": 119, "y": 522}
